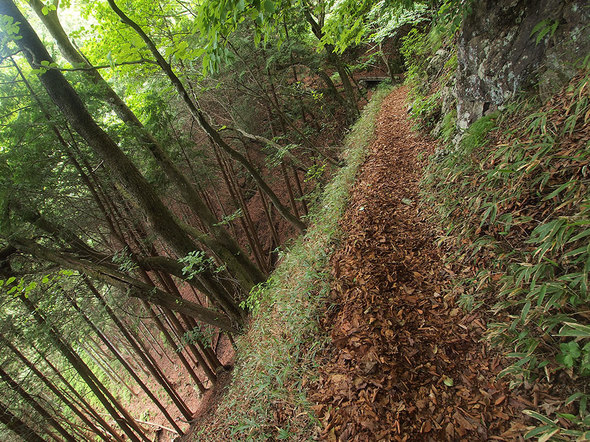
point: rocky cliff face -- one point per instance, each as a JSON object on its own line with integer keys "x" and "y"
{"x": 506, "y": 46}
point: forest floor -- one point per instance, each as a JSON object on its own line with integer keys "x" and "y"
{"x": 404, "y": 361}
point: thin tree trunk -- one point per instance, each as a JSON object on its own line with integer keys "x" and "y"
{"x": 104, "y": 366}
{"x": 233, "y": 255}
{"x": 84, "y": 404}
{"x": 126, "y": 365}
{"x": 171, "y": 342}
{"x": 13, "y": 385}
{"x": 249, "y": 225}
{"x": 300, "y": 189}
{"x": 125, "y": 421}
{"x": 271, "y": 225}
{"x": 168, "y": 282}
{"x": 352, "y": 109}
{"x": 53, "y": 388}
{"x": 18, "y": 426}
{"x": 121, "y": 280}
{"x": 141, "y": 352}
{"x": 202, "y": 120}
{"x": 153, "y": 341}
{"x": 70, "y": 104}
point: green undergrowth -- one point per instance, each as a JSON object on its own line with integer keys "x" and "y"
{"x": 276, "y": 357}
{"x": 431, "y": 61}
{"x": 513, "y": 198}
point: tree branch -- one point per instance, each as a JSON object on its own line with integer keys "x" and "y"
{"x": 106, "y": 66}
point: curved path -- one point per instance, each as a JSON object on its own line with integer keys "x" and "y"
{"x": 406, "y": 363}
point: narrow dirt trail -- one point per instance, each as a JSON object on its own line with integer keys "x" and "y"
{"x": 405, "y": 362}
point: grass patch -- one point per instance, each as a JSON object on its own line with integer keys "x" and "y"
{"x": 276, "y": 357}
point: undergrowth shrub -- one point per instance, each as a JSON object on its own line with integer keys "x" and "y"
{"x": 514, "y": 200}
{"x": 428, "y": 71}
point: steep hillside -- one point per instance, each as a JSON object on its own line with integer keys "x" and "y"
{"x": 456, "y": 299}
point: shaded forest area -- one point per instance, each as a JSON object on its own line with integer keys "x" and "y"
{"x": 172, "y": 174}
{"x": 155, "y": 158}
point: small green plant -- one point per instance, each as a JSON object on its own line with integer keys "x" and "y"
{"x": 572, "y": 354}
{"x": 197, "y": 262}
{"x": 428, "y": 79}
{"x": 545, "y": 28}
{"x": 229, "y": 218}
{"x": 553, "y": 429}
{"x": 256, "y": 296}
{"x": 426, "y": 111}
{"x": 448, "y": 128}
{"x": 199, "y": 334}
{"x": 124, "y": 261}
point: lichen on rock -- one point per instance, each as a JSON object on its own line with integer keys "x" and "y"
{"x": 507, "y": 46}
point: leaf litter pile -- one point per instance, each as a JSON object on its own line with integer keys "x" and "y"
{"x": 405, "y": 362}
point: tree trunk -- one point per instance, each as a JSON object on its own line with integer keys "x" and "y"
{"x": 239, "y": 263}
{"x": 35, "y": 405}
{"x": 143, "y": 355}
{"x": 54, "y": 389}
{"x": 204, "y": 123}
{"x": 124, "y": 420}
{"x": 18, "y": 426}
{"x": 352, "y": 109}
{"x": 124, "y": 171}
{"x": 126, "y": 365}
{"x": 136, "y": 288}
{"x": 80, "y": 400}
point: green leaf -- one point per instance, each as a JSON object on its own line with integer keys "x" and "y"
{"x": 525, "y": 311}
{"x": 548, "y": 436}
{"x": 581, "y": 235}
{"x": 448, "y": 381}
{"x": 559, "y": 190}
{"x": 539, "y": 417}
{"x": 573, "y": 397}
{"x": 539, "y": 430}
{"x": 574, "y": 329}
{"x": 269, "y": 6}
{"x": 574, "y": 349}
{"x": 565, "y": 359}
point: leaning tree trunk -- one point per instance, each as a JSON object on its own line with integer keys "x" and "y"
{"x": 18, "y": 426}
{"x": 136, "y": 288}
{"x": 237, "y": 260}
{"x": 126, "y": 365}
{"x": 124, "y": 420}
{"x": 65, "y": 97}
{"x": 142, "y": 353}
{"x": 14, "y": 386}
{"x": 204, "y": 123}
{"x": 79, "y": 399}
{"x": 352, "y": 109}
{"x": 54, "y": 389}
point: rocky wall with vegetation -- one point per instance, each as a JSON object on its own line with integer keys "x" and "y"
{"x": 503, "y": 86}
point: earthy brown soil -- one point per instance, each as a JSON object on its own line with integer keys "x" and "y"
{"x": 405, "y": 363}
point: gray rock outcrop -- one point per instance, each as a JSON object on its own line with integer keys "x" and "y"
{"x": 501, "y": 50}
